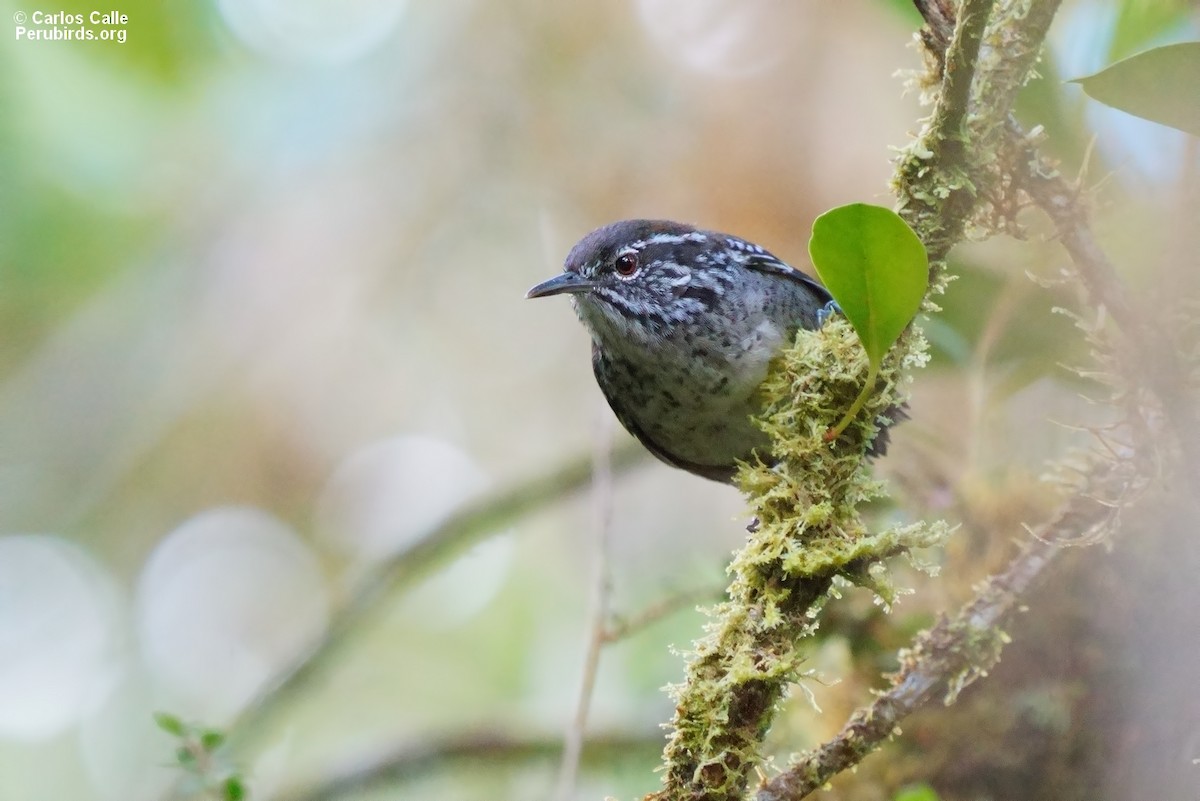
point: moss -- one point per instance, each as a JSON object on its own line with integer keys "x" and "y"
{"x": 809, "y": 533}
{"x": 807, "y": 501}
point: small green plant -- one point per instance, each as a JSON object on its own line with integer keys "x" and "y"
{"x": 199, "y": 753}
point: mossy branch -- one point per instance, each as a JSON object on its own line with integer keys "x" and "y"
{"x": 956, "y": 160}
{"x": 936, "y": 182}
{"x": 958, "y": 650}
{"x": 809, "y": 528}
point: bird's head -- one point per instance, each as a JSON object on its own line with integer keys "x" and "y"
{"x": 639, "y": 277}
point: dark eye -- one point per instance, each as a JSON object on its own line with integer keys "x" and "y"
{"x": 626, "y": 264}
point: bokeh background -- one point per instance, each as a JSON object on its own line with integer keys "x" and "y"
{"x": 262, "y": 325}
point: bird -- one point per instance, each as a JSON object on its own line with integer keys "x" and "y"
{"x": 684, "y": 323}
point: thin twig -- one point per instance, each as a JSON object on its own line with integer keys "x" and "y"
{"x": 601, "y": 598}
{"x": 620, "y": 628}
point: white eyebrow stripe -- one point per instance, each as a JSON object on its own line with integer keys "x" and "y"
{"x": 670, "y": 239}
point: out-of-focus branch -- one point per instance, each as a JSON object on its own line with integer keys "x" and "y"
{"x": 1149, "y": 353}
{"x": 474, "y": 751}
{"x": 436, "y": 548}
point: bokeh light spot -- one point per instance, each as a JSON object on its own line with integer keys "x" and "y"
{"x": 716, "y": 37}
{"x": 312, "y": 30}
{"x": 387, "y": 494}
{"x": 224, "y": 602}
{"x": 58, "y": 616}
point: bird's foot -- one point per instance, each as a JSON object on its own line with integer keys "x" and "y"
{"x": 828, "y": 310}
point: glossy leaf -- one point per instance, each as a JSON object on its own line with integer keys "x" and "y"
{"x": 876, "y": 269}
{"x": 1158, "y": 85}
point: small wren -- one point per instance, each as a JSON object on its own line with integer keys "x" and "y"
{"x": 684, "y": 323}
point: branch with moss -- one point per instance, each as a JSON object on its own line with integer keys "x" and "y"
{"x": 809, "y": 532}
{"x": 957, "y": 651}
{"x": 956, "y": 161}
{"x": 937, "y": 176}
{"x": 807, "y": 502}
{"x": 954, "y": 653}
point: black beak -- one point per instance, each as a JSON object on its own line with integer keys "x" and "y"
{"x": 572, "y": 283}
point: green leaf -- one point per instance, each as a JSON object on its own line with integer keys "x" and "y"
{"x": 878, "y": 272}
{"x": 1157, "y": 85}
{"x": 876, "y": 269}
{"x": 169, "y": 723}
